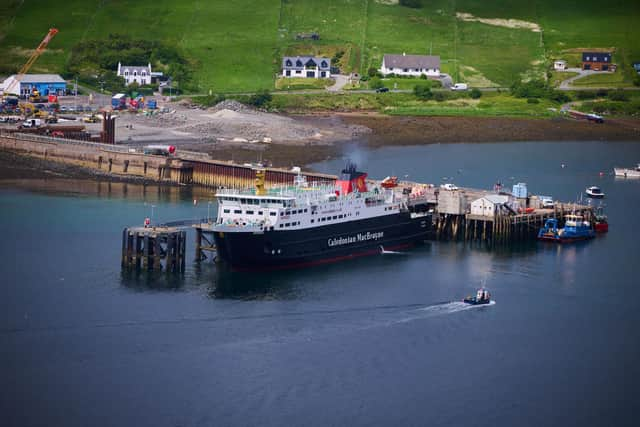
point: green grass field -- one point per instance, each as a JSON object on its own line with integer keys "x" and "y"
{"x": 237, "y": 46}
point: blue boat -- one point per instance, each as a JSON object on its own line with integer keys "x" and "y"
{"x": 575, "y": 228}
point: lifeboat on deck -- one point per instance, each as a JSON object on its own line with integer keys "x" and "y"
{"x": 389, "y": 182}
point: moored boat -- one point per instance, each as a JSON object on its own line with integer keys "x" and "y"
{"x": 575, "y": 228}
{"x": 482, "y": 297}
{"x": 628, "y": 172}
{"x": 600, "y": 223}
{"x": 309, "y": 224}
{"x": 594, "y": 192}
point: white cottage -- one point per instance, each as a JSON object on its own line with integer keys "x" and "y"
{"x": 411, "y": 65}
{"x": 488, "y": 205}
{"x": 131, "y": 74}
{"x": 560, "y": 65}
{"x": 306, "y": 66}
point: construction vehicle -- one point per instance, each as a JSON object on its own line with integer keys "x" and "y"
{"x": 91, "y": 118}
{"x": 35, "y": 96}
{"x": 32, "y": 59}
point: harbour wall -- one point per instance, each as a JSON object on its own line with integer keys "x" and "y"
{"x": 123, "y": 161}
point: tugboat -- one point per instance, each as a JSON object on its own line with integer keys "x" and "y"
{"x": 575, "y": 228}
{"x": 482, "y": 297}
{"x": 594, "y": 192}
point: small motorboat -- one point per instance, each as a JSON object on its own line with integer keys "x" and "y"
{"x": 594, "y": 192}
{"x": 482, "y": 297}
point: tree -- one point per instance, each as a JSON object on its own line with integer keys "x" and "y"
{"x": 415, "y": 4}
{"x": 422, "y": 92}
{"x": 375, "y": 83}
{"x": 260, "y": 98}
{"x": 475, "y": 93}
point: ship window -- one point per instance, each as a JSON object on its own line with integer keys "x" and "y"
{"x": 272, "y": 213}
{"x": 237, "y": 211}
{"x": 335, "y": 217}
{"x": 259, "y": 212}
{"x": 281, "y": 213}
{"x": 280, "y": 225}
{"x": 305, "y": 211}
{"x": 243, "y": 201}
{"x": 227, "y": 211}
{"x": 313, "y": 220}
{"x": 249, "y": 212}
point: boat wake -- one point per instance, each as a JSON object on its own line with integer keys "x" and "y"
{"x": 383, "y": 251}
{"x": 440, "y": 309}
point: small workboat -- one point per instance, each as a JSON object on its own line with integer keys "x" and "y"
{"x": 575, "y": 228}
{"x": 594, "y": 192}
{"x": 600, "y": 223}
{"x": 482, "y": 297}
{"x": 628, "y": 172}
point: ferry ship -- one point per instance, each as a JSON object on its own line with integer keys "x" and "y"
{"x": 304, "y": 225}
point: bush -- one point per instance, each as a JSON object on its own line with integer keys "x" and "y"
{"x": 416, "y": 4}
{"x": 260, "y": 98}
{"x": 423, "y": 76}
{"x": 475, "y": 93}
{"x": 618, "y": 95}
{"x": 422, "y": 92}
{"x": 558, "y": 96}
{"x": 530, "y": 89}
{"x": 439, "y": 96}
{"x": 636, "y": 80}
{"x": 372, "y": 71}
{"x": 533, "y": 101}
{"x": 364, "y": 78}
{"x": 375, "y": 83}
{"x": 585, "y": 94}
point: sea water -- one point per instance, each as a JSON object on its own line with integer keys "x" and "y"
{"x": 383, "y": 340}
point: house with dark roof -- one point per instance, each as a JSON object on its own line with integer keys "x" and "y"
{"x": 597, "y": 61}
{"x": 306, "y": 66}
{"x": 411, "y": 65}
{"x": 135, "y": 74}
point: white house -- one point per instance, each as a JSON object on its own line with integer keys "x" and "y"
{"x": 306, "y": 66}
{"x": 560, "y": 65}
{"x": 411, "y": 65}
{"x": 488, "y": 205}
{"x": 131, "y": 74}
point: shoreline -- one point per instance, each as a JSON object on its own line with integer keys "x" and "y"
{"x": 384, "y": 131}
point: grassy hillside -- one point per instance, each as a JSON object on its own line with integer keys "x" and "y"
{"x": 237, "y": 46}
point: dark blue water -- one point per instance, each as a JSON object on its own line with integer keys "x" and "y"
{"x": 376, "y": 341}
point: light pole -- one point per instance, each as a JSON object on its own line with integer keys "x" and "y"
{"x": 208, "y": 211}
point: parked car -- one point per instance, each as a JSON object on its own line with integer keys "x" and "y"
{"x": 449, "y": 187}
{"x": 460, "y": 86}
{"x": 382, "y": 89}
{"x": 547, "y": 202}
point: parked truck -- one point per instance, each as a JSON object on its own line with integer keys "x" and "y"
{"x": 119, "y": 101}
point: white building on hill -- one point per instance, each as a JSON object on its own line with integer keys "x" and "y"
{"x": 131, "y": 74}
{"x": 411, "y": 65}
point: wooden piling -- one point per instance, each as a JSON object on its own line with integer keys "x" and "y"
{"x": 149, "y": 248}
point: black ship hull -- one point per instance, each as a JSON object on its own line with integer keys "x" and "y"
{"x": 272, "y": 250}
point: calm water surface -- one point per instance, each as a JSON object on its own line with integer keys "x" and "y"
{"x": 377, "y": 341}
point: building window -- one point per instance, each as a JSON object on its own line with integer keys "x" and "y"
{"x": 323, "y": 74}
{"x": 288, "y": 63}
{"x": 298, "y": 72}
{"x": 249, "y": 212}
{"x": 227, "y": 211}
{"x": 237, "y": 211}
{"x": 406, "y": 70}
{"x": 323, "y": 64}
{"x": 272, "y": 214}
{"x": 298, "y": 63}
{"x": 288, "y": 73}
